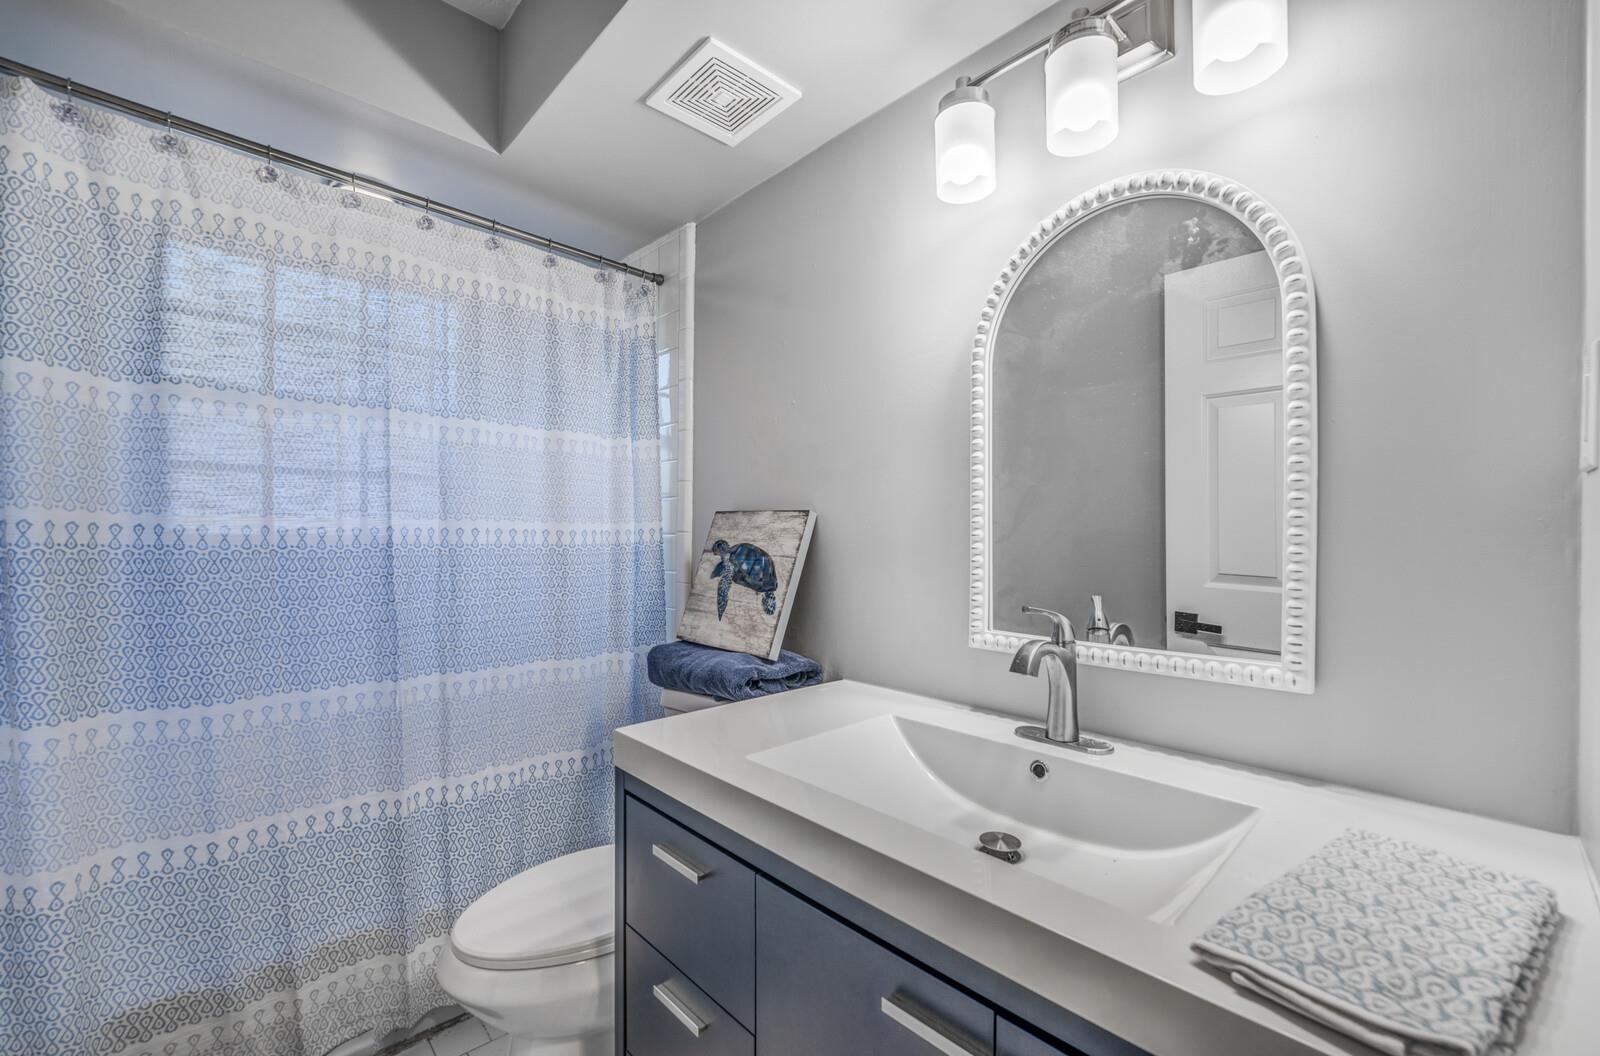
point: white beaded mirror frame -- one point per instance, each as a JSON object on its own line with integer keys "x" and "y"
{"x": 1295, "y": 670}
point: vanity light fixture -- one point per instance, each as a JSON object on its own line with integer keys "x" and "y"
{"x": 1238, "y": 43}
{"x": 1080, "y": 85}
{"x": 963, "y": 145}
{"x": 1084, "y": 62}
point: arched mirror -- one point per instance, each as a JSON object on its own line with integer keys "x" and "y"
{"x": 1143, "y": 436}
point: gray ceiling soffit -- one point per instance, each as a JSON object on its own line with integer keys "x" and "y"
{"x": 538, "y": 48}
{"x": 495, "y": 13}
{"x": 421, "y": 60}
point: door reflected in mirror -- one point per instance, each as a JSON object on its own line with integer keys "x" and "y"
{"x": 1137, "y": 433}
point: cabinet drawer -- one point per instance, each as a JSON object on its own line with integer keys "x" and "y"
{"x": 823, "y": 987}
{"x": 694, "y": 904}
{"x": 670, "y": 1016}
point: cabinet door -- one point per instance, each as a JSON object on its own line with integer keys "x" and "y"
{"x": 1012, "y": 1040}
{"x": 823, "y": 987}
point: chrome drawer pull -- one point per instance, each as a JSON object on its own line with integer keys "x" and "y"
{"x": 941, "y": 1035}
{"x": 680, "y": 1011}
{"x": 684, "y": 867}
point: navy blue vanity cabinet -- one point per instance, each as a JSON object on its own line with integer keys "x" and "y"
{"x": 823, "y": 987}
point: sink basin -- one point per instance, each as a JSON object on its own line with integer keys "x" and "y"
{"x": 1144, "y": 846}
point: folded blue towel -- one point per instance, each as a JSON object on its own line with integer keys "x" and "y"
{"x": 724, "y": 675}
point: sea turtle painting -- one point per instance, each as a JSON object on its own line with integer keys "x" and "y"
{"x": 743, "y": 581}
{"x": 749, "y": 566}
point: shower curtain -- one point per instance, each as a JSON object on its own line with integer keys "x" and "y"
{"x": 329, "y": 543}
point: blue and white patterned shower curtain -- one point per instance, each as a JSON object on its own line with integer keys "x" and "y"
{"x": 329, "y": 541}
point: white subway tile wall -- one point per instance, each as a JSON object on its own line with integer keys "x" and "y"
{"x": 673, "y": 256}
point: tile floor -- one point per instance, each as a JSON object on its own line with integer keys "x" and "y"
{"x": 467, "y": 1038}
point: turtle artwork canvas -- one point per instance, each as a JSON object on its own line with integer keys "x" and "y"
{"x": 744, "y": 580}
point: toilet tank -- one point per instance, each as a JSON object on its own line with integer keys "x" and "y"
{"x": 674, "y": 702}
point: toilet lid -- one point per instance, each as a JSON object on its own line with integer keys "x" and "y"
{"x": 555, "y": 913}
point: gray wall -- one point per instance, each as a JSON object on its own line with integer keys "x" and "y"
{"x": 1589, "y": 648}
{"x": 111, "y": 47}
{"x": 836, "y": 306}
{"x": 1589, "y": 700}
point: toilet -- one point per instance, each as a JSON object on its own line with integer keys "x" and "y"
{"x": 533, "y": 956}
{"x": 674, "y": 702}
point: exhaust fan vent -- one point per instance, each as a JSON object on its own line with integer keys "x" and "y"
{"x": 721, "y": 93}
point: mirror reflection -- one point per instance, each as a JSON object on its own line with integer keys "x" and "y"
{"x": 1137, "y": 435}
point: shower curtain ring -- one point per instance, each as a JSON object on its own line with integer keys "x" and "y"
{"x": 266, "y": 173}
{"x": 66, "y": 110}
{"x": 425, "y": 221}
{"x": 167, "y": 142}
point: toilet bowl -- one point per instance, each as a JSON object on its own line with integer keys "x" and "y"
{"x": 533, "y": 957}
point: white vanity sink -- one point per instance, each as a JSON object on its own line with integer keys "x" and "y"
{"x": 1127, "y": 857}
{"x": 1144, "y": 846}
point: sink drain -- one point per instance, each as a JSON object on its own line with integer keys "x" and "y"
{"x": 1001, "y": 845}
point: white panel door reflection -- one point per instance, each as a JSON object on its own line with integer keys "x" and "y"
{"x": 1224, "y": 439}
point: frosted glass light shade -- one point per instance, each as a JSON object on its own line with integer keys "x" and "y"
{"x": 1238, "y": 43}
{"x": 963, "y": 146}
{"x": 1080, "y": 95}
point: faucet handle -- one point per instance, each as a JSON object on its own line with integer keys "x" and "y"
{"x": 1063, "y": 633}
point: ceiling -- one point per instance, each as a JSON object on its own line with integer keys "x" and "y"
{"x": 495, "y": 12}
{"x": 594, "y": 143}
{"x": 550, "y": 93}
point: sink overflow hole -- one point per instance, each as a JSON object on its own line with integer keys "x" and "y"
{"x": 1038, "y": 769}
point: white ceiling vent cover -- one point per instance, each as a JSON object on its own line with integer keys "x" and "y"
{"x": 721, "y": 93}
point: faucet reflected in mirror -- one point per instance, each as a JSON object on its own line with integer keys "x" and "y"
{"x": 1103, "y": 630}
{"x": 1057, "y": 657}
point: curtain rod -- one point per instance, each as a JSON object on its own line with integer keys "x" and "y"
{"x": 275, "y": 156}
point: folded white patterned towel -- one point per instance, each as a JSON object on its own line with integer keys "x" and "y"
{"x": 1399, "y": 946}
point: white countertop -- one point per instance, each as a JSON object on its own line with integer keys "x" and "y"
{"x": 1131, "y": 976}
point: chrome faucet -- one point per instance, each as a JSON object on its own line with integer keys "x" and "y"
{"x": 1057, "y": 656}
